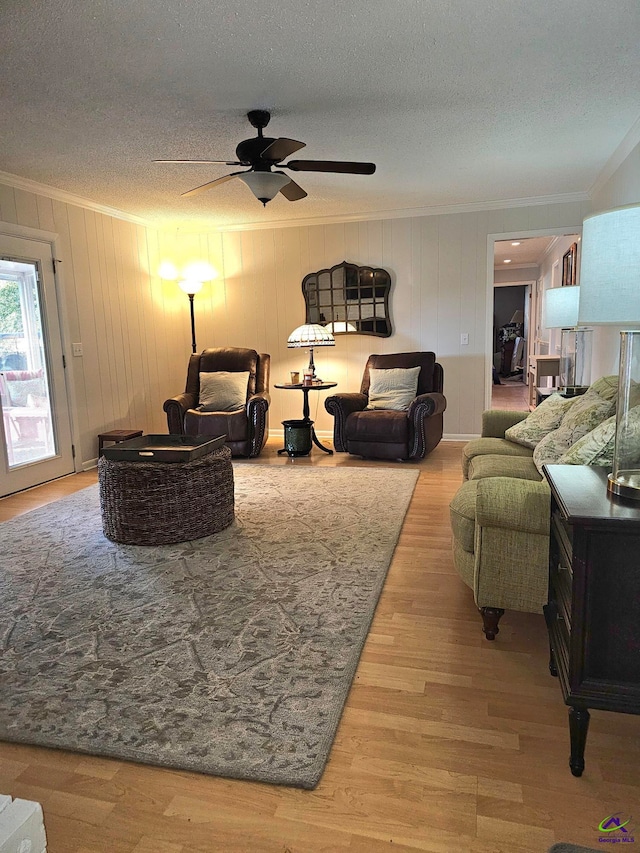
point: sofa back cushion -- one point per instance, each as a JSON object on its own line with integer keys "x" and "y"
{"x": 588, "y": 412}
{"x": 594, "y": 448}
{"x": 542, "y": 420}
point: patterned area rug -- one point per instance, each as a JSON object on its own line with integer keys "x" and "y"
{"x": 230, "y": 655}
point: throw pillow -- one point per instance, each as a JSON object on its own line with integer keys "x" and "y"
{"x": 392, "y": 388}
{"x": 223, "y": 391}
{"x": 594, "y": 448}
{"x": 586, "y": 414}
{"x": 606, "y": 386}
{"x": 546, "y": 417}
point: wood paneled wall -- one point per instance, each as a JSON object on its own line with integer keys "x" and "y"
{"x": 135, "y": 328}
{"x": 438, "y": 266}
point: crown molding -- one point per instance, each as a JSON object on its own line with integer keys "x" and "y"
{"x": 28, "y": 185}
{"x": 202, "y": 228}
{"x": 406, "y": 213}
{"x": 617, "y": 158}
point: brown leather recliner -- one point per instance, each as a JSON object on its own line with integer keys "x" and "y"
{"x": 388, "y": 434}
{"x": 246, "y": 429}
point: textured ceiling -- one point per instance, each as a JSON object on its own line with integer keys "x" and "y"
{"x": 456, "y": 102}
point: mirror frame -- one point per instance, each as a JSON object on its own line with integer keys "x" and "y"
{"x": 349, "y": 294}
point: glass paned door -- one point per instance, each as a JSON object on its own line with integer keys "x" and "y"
{"x": 35, "y": 431}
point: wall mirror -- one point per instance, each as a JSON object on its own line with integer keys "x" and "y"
{"x": 349, "y": 298}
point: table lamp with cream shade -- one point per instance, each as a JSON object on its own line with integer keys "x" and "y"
{"x": 610, "y": 295}
{"x": 560, "y": 311}
{"x": 311, "y": 335}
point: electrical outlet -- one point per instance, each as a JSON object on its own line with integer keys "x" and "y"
{"x": 76, "y": 349}
{"x": 464, "y": 339}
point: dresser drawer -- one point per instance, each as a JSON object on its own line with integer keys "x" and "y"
{"x": 563, "y": 535}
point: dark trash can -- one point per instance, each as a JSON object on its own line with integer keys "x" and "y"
{"x": 297, "y": 437}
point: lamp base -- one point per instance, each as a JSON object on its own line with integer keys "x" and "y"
{"x": 626, "y": 484}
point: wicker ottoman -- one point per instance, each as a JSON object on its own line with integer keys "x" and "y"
{"x": 156, "y": 503}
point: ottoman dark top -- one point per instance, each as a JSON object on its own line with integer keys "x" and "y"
{"x": 157, "y": 503}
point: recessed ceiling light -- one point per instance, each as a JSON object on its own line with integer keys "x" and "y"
{"x": 507, "y": 261}
{"x": 517, "y": 243}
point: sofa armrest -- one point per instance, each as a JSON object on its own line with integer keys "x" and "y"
{"x": 514, "y": 504}
{"x": 496, "y": 421}
{"x": 176, "y": 408}
{"x": 341, "y": 406}
{"x": 258, "y": 417}
{"x": 424, "y": 433}
{"x": 427, "y": 405}
{"x": 511, "y": 566}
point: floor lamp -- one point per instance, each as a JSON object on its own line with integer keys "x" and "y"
{"x": 560, "y": 311}
{"x": 610, "y": 295}
{"x": 191, "y": 288}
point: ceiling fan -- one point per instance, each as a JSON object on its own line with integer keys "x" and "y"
{"x": 263, "y": 153}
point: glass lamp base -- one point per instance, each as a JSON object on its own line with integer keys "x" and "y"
{"x": 626, "y": 484}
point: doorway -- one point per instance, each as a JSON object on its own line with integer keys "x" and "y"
{"x": 528, "y": 259}
{"x": 35, "y": 428}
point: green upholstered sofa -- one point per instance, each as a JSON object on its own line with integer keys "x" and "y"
{"x": 500, "y": 514}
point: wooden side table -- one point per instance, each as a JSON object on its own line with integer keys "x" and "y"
{"x": 116, "y": 436}
{"x": 540, "y": 366}
{"x": 593, "y": 614}
{"x": 317, "y": 386}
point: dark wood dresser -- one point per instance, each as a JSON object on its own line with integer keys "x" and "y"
{"x": 593, "y": 615}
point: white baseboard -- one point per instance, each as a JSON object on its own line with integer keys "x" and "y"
{"x": 462, "y": 437}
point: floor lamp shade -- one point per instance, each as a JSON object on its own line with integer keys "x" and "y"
{"x": 610, "y": 294}
{"x": 560, "y": 311}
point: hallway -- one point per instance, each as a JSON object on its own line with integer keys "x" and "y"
{"x": 510, "y": 394}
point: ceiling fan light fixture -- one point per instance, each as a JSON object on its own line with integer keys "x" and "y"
{"x": 265, "y": 185}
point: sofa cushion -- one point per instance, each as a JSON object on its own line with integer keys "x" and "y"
{"x": 482, "y": 446}
{"x": 232, "y": 424}
{"x": 585, "y": 415}
{"x": 594, "y": 448}
{"x": 546, "y": 417}
{"x": 393, "y": 388}
{"x": 386, "y": 426}
{"x": 493, "y": 465}
{"x": 223, "y": 391}
{"x": 606, "y": 387}
{"x": 463, "y": 515}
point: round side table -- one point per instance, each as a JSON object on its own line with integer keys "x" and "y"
{"x": 317, "y": 386}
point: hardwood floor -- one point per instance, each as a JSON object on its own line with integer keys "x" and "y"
{"x": 447, "y": 742}
{"x": 510, "y": 394}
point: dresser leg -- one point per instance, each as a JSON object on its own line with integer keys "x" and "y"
{"x": 578, "y": 728}
{"x": 490, "y": 618}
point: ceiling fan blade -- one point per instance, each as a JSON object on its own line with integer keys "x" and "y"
{"x": 281, "y": 148}
{"x": 293, "y": 191}
{"x": 220, "y": 162}
{"x": 211, "y": 184}
{"x": 349, "y": 168}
